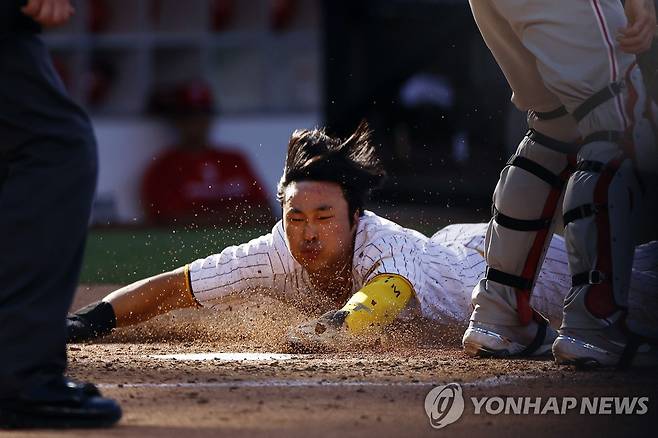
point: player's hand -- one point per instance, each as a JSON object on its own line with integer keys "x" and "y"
{"x": 49, "y": 13}
{"x": 319, "y": 335}
{"x": 79, "y": 329}
{"x": 638, "y": 35}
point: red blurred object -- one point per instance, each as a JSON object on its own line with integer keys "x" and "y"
{"x": 221, "y": 12}
{"x": 282, "y": 13}
{"x": 202, "y": 186}
{"x": 98, "y": 16}
{"x": 192, "y": 97}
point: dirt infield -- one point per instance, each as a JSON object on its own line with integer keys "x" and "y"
{"x": 375, "y": 390}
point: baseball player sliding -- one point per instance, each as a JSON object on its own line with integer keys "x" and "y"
{"x": 591, "y": 150}
{"x": 329, "y": 252}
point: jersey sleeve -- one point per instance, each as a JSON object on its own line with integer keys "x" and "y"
{"x": 389, "y": 254}
{"x": 241, "y": 269}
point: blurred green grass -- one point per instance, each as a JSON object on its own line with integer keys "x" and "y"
{"x": 124, "y": 255}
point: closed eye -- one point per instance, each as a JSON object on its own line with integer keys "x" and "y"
{"x": 324, "y": 218}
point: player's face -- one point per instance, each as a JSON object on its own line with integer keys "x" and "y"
{"x": 318, "y": 229}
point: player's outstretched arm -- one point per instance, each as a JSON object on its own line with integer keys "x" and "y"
{"x": 132, "y": 304}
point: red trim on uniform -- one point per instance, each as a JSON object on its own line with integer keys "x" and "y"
{"x": 603, "y": 26}
{"x": 606, "y": 37}
{"x": 600, "y": 299}
{"x": 531, "y": 266}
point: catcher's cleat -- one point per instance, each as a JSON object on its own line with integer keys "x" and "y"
{"x": 603, "y": 348}
{"x": 321, "y": 335}
{"x": 59, "y": 404}
{"x": 501, "y": 341}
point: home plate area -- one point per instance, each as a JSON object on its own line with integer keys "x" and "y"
{"x": 203, "y": 373}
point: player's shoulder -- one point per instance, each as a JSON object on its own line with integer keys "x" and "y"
{"x": 373, "y": 224}
{"x": 469, "y": 235}
{"x": 375, "y": 229}
{"x": 462, "y": 230}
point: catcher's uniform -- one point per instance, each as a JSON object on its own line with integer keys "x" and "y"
{"x": 590, "y": 153}
{"x": 443, "y": 269}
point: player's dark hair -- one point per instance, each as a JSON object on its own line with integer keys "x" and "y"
{"x": 353, "y": 164}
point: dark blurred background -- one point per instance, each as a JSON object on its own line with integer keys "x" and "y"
{"x": 420, "y": 73}
{"x": 193, "y": 103}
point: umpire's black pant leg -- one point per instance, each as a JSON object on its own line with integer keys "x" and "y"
{"x": 44, "y": 212}
{"x": 45, "y": 201}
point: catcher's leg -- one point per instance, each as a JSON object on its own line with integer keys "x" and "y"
{"x": 526, "y": 200}
{"x": 604, "y": 201}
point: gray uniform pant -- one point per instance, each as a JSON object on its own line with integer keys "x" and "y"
{"x": 558, "y": 53}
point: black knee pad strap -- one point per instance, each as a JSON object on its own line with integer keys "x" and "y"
{"x": 515, "y": 281}
{"x": 582, "y": 211}
{"x": 549, "y": 115}
{"x": 597, "y": 99}
{"x": 520, "y": 224}
{"x": 538, "y": 341}
{"x": 551, "y": 143}
{"x": 589, "y": 277}
{"x": 538, "y": 170}
{"x": 604, "y": 136}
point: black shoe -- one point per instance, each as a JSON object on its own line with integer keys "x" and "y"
{"x": 60, "y": 403}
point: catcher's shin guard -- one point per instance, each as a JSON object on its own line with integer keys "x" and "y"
{"x": 526, "y": 199}
{"x": 599, "y": 206}
{"x": 605, "y": 201}
{"x": 641, "y": 144}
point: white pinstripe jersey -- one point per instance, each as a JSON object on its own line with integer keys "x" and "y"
{"x": 443, "y": 269}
